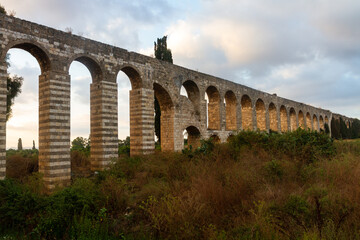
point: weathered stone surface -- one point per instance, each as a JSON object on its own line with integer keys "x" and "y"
{"x": 231, "y": 106}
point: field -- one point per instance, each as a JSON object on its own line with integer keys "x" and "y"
{"x": 299, "y": 185}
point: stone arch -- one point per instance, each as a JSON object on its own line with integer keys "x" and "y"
{"x": 246, "y": 113}
{"x": 231, "y": 136}
{"x": 213, "y": 108}
{"x": 273, "y": 117}
{"x": 308, "y": 121}
{"x": 230, "y": 107}
{"x": 193, "y": 94}
{"x": 167, "y": 117}
{"x": 321, "y": 123}
{"x": 283, "y": 119}
{"x": 315, "y": 123}
{"x": 92, "y": 65}
{"x": 215, "y": 138}
{"x": 193, "y": 136}
{"x": 35, "y": 49}
{"x": 301, "y": 120}
{"x": 293, "y": 124}
{"x": 134, "y": 76}
{"x": 260, "y": 115}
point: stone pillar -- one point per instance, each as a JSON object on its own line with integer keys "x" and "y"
{"x": 3, "y": 96}
{"x": 104, "y": 124}
{"x": 167, "y": 129}
{"x": 54, "y": 128}
{"x": 142, "y": 121}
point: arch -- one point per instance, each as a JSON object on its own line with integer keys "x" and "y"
{"x": 193, "y": 136}
{"x": 35, "y": 49}
{"x": 321, "y": 123}
{"x": 273, "y": 117}
{"x": 193, "y": 93}
{"x": 92, "y": 65}
{"x": 283, "y": 119}
{"x": 301, "y": 120}
{"x": 246, "y": 113}
{"x": 167, "y": 117}
{"x": 230, "y": 107}
{"x": 260, "y": 115}
{"x": 215, "y": 138}
{"x": 292, "y": 119}
{"x": 308, "y": 121}
{"x": 134, "y": 76}
{"x": 230, "y": 137}
{"x": 315, "y": 123}
{"x": 213, "y": 108}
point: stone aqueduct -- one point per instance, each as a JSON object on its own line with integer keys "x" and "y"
{"x": 231, "y": 106}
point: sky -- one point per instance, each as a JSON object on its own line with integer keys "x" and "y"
{"x": 305, "y": 50}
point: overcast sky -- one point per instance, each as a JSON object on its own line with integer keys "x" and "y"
{"x": 305, "y": 50}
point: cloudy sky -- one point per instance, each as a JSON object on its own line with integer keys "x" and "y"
{"x": 305, "y": 50}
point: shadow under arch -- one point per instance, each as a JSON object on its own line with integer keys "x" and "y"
{"x": 167, "y": 117}
{"x": 230, "y": 110}
{"x": 134, "y": 76}
{"x": 35, "y": 49}
{"x": 213, "y": 112}
{"x": 194, "y": 137}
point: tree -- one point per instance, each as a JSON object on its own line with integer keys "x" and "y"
{"x": 163, "y": 53}
{"x": 20, "y": 144}
{"x": 33, "y": 148}
{"x": 13, "y": 83}
{"x": 81, "y": 144}
{"x": 161, "y": 50}
{"x": 2, "y": 10}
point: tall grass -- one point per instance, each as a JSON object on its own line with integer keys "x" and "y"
{"x": 298, "y": 185}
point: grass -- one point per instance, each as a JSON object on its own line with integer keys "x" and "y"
{"x": 298, "y": 185}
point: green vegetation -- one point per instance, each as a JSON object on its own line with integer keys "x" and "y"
{"x": 298, "y": 185}
{"x": 339, "y": 130}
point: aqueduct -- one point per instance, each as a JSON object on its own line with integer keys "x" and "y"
{"x": 230, "y": 106}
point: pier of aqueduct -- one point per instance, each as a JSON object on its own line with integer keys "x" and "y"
{"x": 230, "y": 106}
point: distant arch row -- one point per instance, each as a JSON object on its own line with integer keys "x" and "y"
{"x": 246, "y": 114}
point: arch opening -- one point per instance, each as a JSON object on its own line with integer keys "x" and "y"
{"x": 292, "y": 119}
{"x": 273, "y": 117}
{"x": 246, "y": 113}
{"x": 37, "y": 52}
{"x": 301, "y": 120}
{"x": 308, "y": 121}
{"x": 23, "y": 120}
{"x": 215, "y": 138}
{"x": 192, "y": 137}
{"x": 321, "y": 123}
{"x": 134, "y": 77}
{"x": 230, "y": 109}
{"x": 260, "y": 115}
{"x": 192, "y": 92}
{"x": 213, "y": 108}
{"x": 283, "y": 119}
{"x": 92, "y": 66}
{"x": 315, "y": 123}
{"x": 166, "y": 119}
